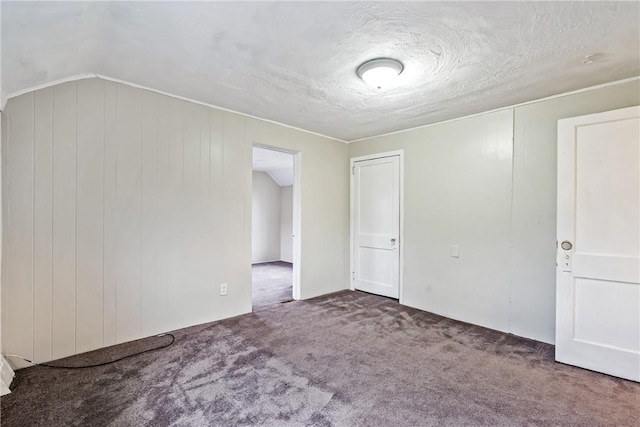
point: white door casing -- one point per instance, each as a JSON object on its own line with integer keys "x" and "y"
{"x": 598, "y": 265}
{"x": 376, "y": 225}
{"x": 297, "y": 216}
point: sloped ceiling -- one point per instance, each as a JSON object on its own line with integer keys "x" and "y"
{"x": 295, "y": 63}
{"x": 277, "y": 164}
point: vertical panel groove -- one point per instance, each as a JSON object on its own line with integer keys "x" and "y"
{"x": 89, "y": 324}
{"x": 140, "y": 218}
{"x": 53, "y": 124}
{"x": 33, "y": 227}
{"x": 75, "y": 224}
{"x": 104, "y": 150}
{"x": 200, "y": 152}
{"x": 6, "y": 297}
{"x": 53, "y": 201}
{"x": 19, "y": 283}
{"x": 179, "y": 230}
{"x": 10, "y": 222}
{"x": 115, "y": 266}
{"x": 109, "y": 215}
{"x": 211, "y": 189}
{"x": 511, "y": 228}
{"x": 64, "y": 219}
{"x": 183, "y": 184}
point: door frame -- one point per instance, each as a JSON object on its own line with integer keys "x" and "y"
{"x": 297, "y": 214}
{"x": 352, "y": 162}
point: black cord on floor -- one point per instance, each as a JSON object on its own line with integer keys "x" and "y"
{"x": 46, "y": 365}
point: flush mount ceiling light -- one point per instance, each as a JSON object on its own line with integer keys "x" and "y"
{"x": 380, "y": 72}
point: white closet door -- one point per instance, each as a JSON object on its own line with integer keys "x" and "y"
{"x": 377, "y": 225}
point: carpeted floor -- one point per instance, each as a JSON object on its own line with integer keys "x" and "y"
{"x": 271, "y": 282}
{"x": 346, "y": 359}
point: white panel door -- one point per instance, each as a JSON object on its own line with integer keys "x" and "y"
{"x": 376, "y": 203}
{"x": 598, "y": 272}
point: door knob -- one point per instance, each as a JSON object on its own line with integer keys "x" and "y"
{"x": 567, "y": 246}
{"x": 393, "y": 241}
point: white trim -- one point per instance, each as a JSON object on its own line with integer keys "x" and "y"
{"x": 604, "y": 116}
{"x": 6, "y": 376}
{"x": 297, "y": 225}
{"x": 124, "y": 82}
{"x": 55, "y": 82}
{"x": 113, "y": 79}
{"x": 455, "y": 119}
{"x": 352, "y": 162}
{"x": 297, "y": 214}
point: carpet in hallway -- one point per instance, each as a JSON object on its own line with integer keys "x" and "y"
{"x": 271, "y": 282}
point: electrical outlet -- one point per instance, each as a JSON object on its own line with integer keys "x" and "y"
{"x": 223, "y": 289}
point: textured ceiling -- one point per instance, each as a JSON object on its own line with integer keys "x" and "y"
{"x": 295, "y": 63}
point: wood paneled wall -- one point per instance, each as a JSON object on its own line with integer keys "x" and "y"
{"x": 124, "y": 210}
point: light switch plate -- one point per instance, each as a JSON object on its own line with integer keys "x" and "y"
{"x": 455, "y": 251}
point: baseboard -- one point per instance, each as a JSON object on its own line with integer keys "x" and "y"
{"x": 6, "y": 376}
{"x": 275, "y": 260}
{"x": 264, "y": 262}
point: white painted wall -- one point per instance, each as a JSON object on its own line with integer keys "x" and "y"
{"x": 125, "y": 209}
{"x": 3, "y": 138}
{"x": 286, "y": 223}
{"x": 272, "y": 220}
{"x": 265, "y": 231}
{"x": 6, "y": 373}
{"x": 534, "y": 201}
{"x": 324, "y": 181}
{"x": 488, "y": 184}
{"x": 457, "y": 192}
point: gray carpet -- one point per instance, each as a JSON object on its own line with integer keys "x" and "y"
{"x": 346, "y": 359}
{"x": 271, "y": 282}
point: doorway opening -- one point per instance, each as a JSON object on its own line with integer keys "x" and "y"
{"x": 275, "y": 222}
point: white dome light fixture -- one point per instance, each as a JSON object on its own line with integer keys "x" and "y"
{"x": 380, "y": 72}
